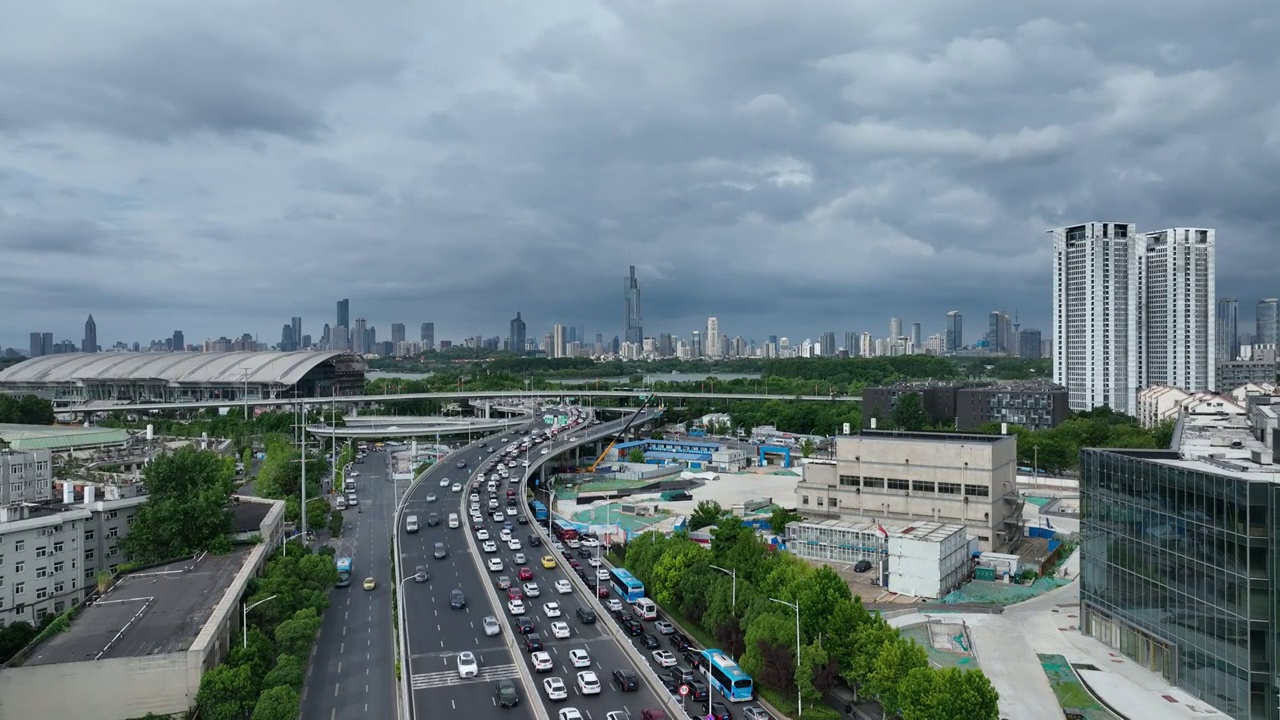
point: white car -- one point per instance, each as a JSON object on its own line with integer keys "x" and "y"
{"x": 551, "y": 609}
{"x": 495, "y": 564}
{"x": 519, "y": 558}
{"x": 544, "y": 451}
{"x": 492, "y": 626}
{"x": 593, "y": 562}
{"x": 497, "y": 517}
{"x": 664, "y": 658}
{"x": 602, "y": 574}
{"x": 542, "y": 662}
{"x": 524, "y": 463}
{"x": 569, "y": 714}
{"x": 516, "y": 607}
{"x": 573, "y": 544}
{"x": 573, "y": 439}
{"x": 563, "y": 587}
{"x": 532, "y": 590}
{"x": 475, "y": 497}
{"x": 489, "y": 546}
{"x": 590, "y": 542}
{"x": 467, "y": 665}
{"x": 505, "y": 535}
{"x": 588, "y": 683}
{"x": 511, "y": 512}
{"x": 456, "y": 488}
{"x": 444, "y": 482}
{"x": 560, "y": 630}
{"x": 555, "y": 689}
{"x": 493, "y": 504}
{"x": 579, "y": 658}
{"x": 482, "y": 534}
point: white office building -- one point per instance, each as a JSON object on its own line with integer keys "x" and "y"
{"x": 713, "y": 337}
{"x": 1177, "y": 309}
{"x": 1095, "y": 293}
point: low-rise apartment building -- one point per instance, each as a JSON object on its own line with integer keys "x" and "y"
{"x": 955, "y": 478}
{"x": 1036, "y": 405}
{"x": 1162, "y": 403}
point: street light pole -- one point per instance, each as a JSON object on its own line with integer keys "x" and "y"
{"x": 795, "y": 606}
{"x": 733, "y": 574}
{"x": 244, "y": 619}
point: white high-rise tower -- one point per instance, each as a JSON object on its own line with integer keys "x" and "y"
{"x": 1177, "y": 318}
{"x": 1095, "y": 315}
{"x": 713, "y": 337}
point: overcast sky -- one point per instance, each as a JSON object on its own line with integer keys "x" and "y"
{"x": 790, "y": 166}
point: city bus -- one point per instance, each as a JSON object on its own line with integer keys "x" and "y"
{"x": 726, "y": 676}
{"x": 626, "y": 585}
{"x": 539, "y": 510}
{"x": 344, "y": 571}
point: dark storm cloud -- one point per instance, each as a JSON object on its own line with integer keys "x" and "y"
{"x": 789, "y": 167}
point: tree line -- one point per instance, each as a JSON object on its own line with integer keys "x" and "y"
{"x": 26, "y": 410}
{"x": 841, "y": 642}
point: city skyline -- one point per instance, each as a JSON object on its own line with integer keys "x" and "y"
{"x": 857, "y": 174}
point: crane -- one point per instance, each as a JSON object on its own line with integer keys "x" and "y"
{"x": 621, "y": 434}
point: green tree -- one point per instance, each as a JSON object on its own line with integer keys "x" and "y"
{"x": 14, "y": 637}
{"x": 780, "y": 518}
{"x": 819, "y": 596}
{"x": 807, "y": 447}
{"x": 26, "y": 410}
{"x": 908, "y": 413}
{"x": 770, "y": 651}
{"x": 842, "y": 627}
{"x": 867, "y": 642}
{"x": 674, "y": 563}
{"x": 289, "y": 670}
{"x": 896, "y": 659}
{"x": 279, "y": 703}
{"x": 227, "y": 692}
{"x": 257, "y": 653}
{"x": 636, "y": 455}
{"x": 295, "y": 635}
{"x": 707, "y": 513}
{"x": 948, "y": 694}
{"x": 815, "y": 673}
{"x": 187, "y": 509}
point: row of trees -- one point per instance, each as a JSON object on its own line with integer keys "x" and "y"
{"x": 840, "y": 640}
{"x": 26, "y": 410}
{"x": 280, "y": 477}
{"x": 187, "y": 509}
{"x": 262, "y": 680}
{"x": 1058, "y": 449}
{"x": 244, "y": 433}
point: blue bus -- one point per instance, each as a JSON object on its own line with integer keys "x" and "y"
{"x": 539, "y": 510}
{"x": 344, "y": 571}
{"x": 626, "y": 585}
{"x": 725, "y": 676}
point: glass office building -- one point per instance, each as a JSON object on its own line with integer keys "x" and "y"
{"x": 1179, "y": 570}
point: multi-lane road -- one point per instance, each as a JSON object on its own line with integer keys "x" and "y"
{"x": 351, "y": 672}
{"x": 436, "y": 633}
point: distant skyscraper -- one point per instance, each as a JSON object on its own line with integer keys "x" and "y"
{"x": 287, "y": 343}
{"x": 515, "y": 338}
{"x": 999, "y": 332}
{"x": 827, "y": 344}
{"x": 1096, "y": 282}
{"x": 955, "y": 331}
{"x": 633, "y": 330}
{"x": 90, "y": 342}
{"x": 297, "y": 332}
{"x": 851, "y": 343}
{"x": 916, "y": 337}
{"x": 1228, "y": 330}
{"x": 713, "y": 337}
{"x": 895, "y": 329}
{"x": 37, "y": 346}
{"x": 695, "y": 344}
{"x": 1267, "y": 321}
{"x": 1177, "y": 309}
{"x": 1029, "y": 344}
{"x": 344, "y": 313}
{"x": 397, "y": 333}
{"x": 557, "y": 340}
{"x": 343, "y": 327}
{"x": 666, "y": 346}
{"x": 359, "y": 337}
{"x": 179, "y": 342}
{"x": 428, "y": 336}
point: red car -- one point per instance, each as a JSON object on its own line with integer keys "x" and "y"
{"x": 515, "y": 593}
{"x": 525, "y": 574}
{"x": 603, "y": 592}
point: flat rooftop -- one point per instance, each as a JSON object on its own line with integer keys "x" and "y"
{"x": 926, "y": 530}
{"x": 1221, "y": 444}
{"x": 152, "y": 612}
{"x": 60, "y": 437}
{"x": 938, "y": 437}
{"x": 249, "y": 515}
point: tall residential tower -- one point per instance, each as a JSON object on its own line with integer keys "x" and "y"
{"x": 633, "y": 330}
{"x": 1177, "y": 314}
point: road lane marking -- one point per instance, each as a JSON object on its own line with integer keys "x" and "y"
{"x": 339, "y": 667}
{"x": 335, "y": 689}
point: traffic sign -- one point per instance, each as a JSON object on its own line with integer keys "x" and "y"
{"x": 684, "y": 690}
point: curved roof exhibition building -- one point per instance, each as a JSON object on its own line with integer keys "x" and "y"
{"x": 186, "y": 377}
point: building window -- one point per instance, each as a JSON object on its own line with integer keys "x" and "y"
{"x": 819, "y": 501}
{"x": 58, "y": 606}
{"x": 42, "y": 573}
{"x": 113, "y": 514}
{"x": 42, "y": 551}
{"x": 113, "y": 552}
{"x": 88, "y": 554}
{"x": 57, "y": 567}
{"x": 129, "y": 520}
{"x": 88, "y": 536}
{"x": 88, "y": 574}
{"x": 922, "y": 486}
{"x": 18, "y": 546}
{"x": 18, "y": 567}
{"x": 849, "y": 480}
{"x": 870, "y": 482}
{"x": 113, "y": 533}
{"x": 113, "y": 568}
{"x": 977, "y": 490}
{"x": 19, "y": 588}
{"x": 895, "y": 484}
{"x": 804, "y": 499}
{"x": 945, "y": 488}
{"x": 57, "y": 547}
{"x": 42, "y": 593}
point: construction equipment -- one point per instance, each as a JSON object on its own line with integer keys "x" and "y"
{"x": 621, "y": 434}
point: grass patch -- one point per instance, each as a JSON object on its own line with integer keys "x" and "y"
{"x": 1067, "y": 688}
{"x": 785, "y": 703}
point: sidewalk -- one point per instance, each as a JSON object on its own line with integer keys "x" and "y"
{"x": 1007, "y": 646}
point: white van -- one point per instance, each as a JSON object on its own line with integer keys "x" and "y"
{"x": 453, "y": 521}
{"x": 411, "y": 524}
{"x": 341, "y": 503}
{"x": 646, "y": 609}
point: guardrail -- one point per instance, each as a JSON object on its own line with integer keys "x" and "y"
{"x": 642, "y": 664}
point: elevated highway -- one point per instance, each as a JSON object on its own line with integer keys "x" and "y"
{"x": 457, "y": 395}
{"x": 416, "y": 427}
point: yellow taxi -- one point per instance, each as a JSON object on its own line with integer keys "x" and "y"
{"x": 548, "y": 562}
{"x": 370, "y": 583}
